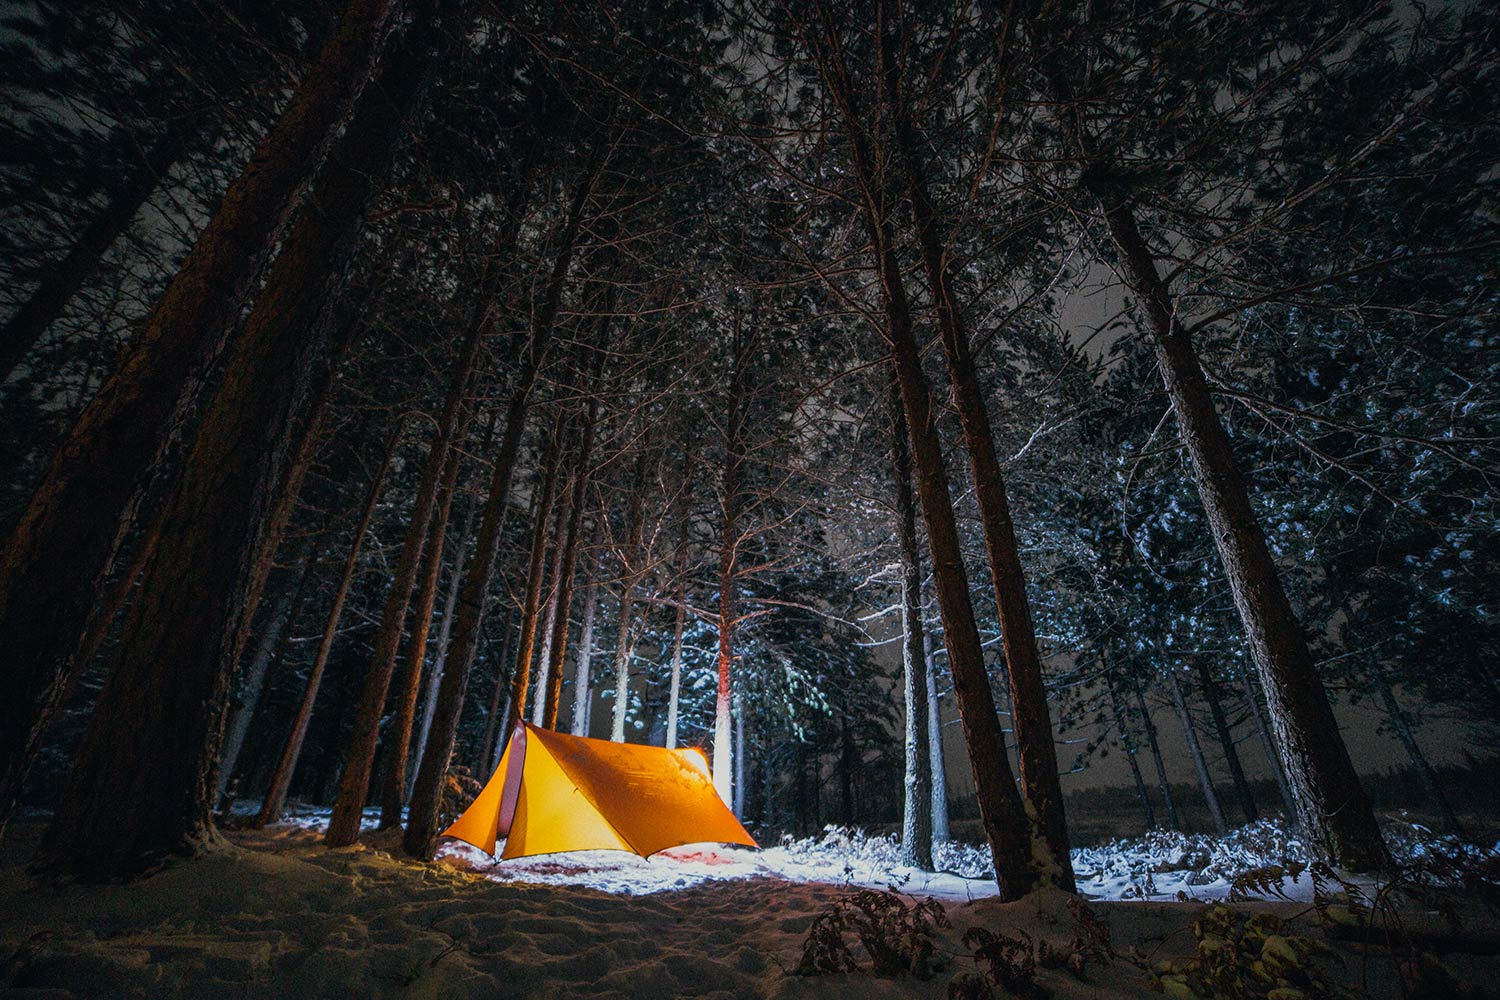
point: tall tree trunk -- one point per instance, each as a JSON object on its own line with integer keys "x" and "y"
{"x": 359, "y": 750}
{"x": 624, "y": 649}
{"x": 1148, "y": 725}
{"x": 583, "y": 690}
{"x": 1195, "y": 751}
{"x": 916, "y": 813}
{"x": 935, "y": 745}
{"x": 420, "y": 837}
{"x": 1335, "y": 813}
{"x": 266, "y": 643}
{"x": 576, "y": 503}
{"x": 553, "y": 601}
{"x": 1001, "y": 810}
{"x": 157, "y": 731}
{"x": 535, "y": 566}
{"x": 286, "y": 765}
{"x": 679, "y": 621}
{"x": 630, "y": 576}
{"x": 86, "y": 501}
{"x": 1127, "y": 742}
{"x": 729, "y": 508}
{"x": 739, "y": 754}
{"x": 445, "y": 632}
{"x": 63, "y": 279}
{"x": 1267, "y": 747}
{"x": 398, "y": 738}
{"x": 1031, "y": 719}
{"x": 1334, "y": 810}
{"x": 1402, "y": 724}
{"x": 1210, "y": 688}
{"x": 504, "y": 670}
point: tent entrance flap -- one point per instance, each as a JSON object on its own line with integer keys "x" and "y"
{"x": 554, "y": 792}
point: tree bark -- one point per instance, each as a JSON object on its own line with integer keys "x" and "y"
{"x": 157, "y": 731}
{"x": 935, "y": 746}
{"x": 566, "y": 573}
{"x": 1268, "y": 748}
{"x": 1402, "y": 724}
{"x": 1127, "y": 742}
{"x": 493, "y": 744}
{"x": 553, "y": 601}
{"x": 1332, "y": 805}
{"x": 1334, "y": 811}
{"x": 1149, "y": 726}
{"x": 536, "y": 565}
{"x": 729, "y": 506}
{"x": 286, "y": 765}
{"x": 398, "y": 738}
{"x": 421, "y": 833}
{"x": 1195, "y": 751}
{"x": 1031, "y": 719}
{"x": 739, "y": 754}
{"x": 1001, "y": 810}
{"x": 1226, "y": 738}
{"x": 679, "y": 621}
{"x": 916, "y": 814}
{"x": 86, "y": 501}
{"x": 582, "y": 681}
{"x": 445, "y": 632}
{"x": 63, "y": 280}
{"x": 624, "y": 642}
{"x": 266, "y": 644}
{"x": 359, "y": 751}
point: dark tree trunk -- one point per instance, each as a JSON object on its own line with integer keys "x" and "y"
{"x": 1195, "y": 751}
{"x": 559, "y": 651}
{"x": 359, "y": 751}
{"x": 63, "y": 280}
{"x": 1148, "y": 725}
{"x": 535, "y": 567}
{"x": 1000, "y": 807}
{"x": 1268, "y": 748}
{"x": 1031, "y": 719}
{"x": 398, "y": 738}
{"x": 282, "y": 613}
{"x": 1127, "y": 742}
{"x": 1334, "y": 810}
{"x": 1001, "y": 811}
{"x": 1210, "y": 688}
{"x": 1332, "y": 807}
{"x": 916, "y": 814}
{"x": 158, "y": 729}
{"x": 86, "y": 501}
{"x": 1405, "y": 732}
{"x": 286, "y": 765}
{"x": 445, "y": 632}
{"x": 420, "y": 837}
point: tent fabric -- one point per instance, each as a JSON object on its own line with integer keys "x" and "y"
{"x": 553, "y": 792}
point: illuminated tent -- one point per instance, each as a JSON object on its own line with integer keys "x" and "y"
{"x": 554, "y": 793}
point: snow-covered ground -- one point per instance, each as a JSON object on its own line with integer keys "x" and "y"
{"x": 1158, "y": 866}
{"x": 272, "y": 913}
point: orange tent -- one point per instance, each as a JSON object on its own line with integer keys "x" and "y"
{"x": 554, "y": 793}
